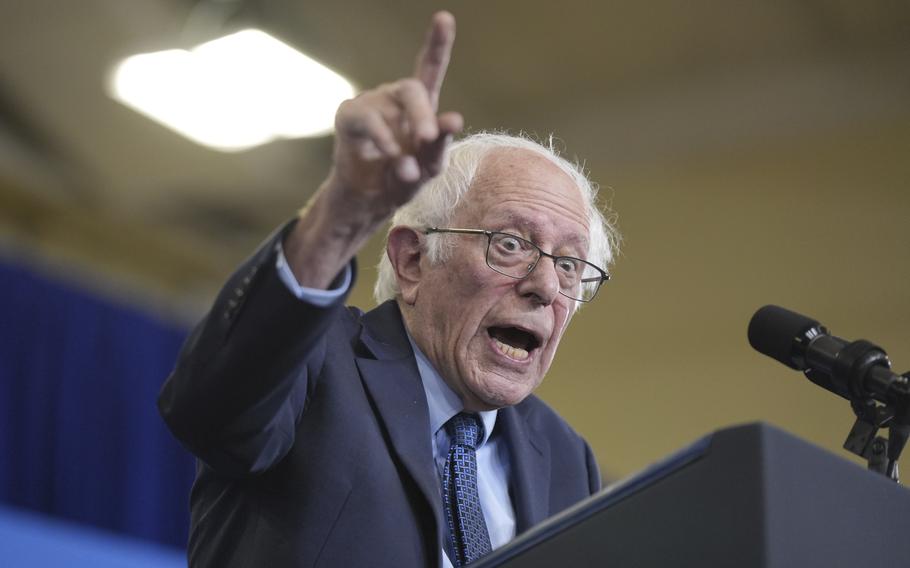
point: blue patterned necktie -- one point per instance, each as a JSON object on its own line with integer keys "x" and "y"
{"x": 467, "y": 528}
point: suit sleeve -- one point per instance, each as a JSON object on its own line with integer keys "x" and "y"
{"x": 245, "y": 373}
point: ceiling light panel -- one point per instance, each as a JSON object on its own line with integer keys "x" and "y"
{"x": 234, "y": 92}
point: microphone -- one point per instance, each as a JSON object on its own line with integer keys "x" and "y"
{"x": 857, "y": 370}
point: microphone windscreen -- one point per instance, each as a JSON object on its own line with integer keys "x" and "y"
{"x": 773, "y": 331}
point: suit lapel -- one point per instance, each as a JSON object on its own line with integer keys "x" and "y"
{"x": 393, "y": 382}
{"x": 529, "y": 456}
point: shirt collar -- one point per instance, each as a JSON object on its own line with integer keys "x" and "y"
{"x": 442, "y": 400}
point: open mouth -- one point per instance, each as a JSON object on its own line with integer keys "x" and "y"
{"x": 514, "y": 342}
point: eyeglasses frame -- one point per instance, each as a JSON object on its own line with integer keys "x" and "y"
{"x": 604, "y": 276}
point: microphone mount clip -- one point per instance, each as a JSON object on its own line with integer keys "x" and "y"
{"x": 880, "y": 453}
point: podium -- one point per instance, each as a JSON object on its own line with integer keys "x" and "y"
{"x": 750, "y": 496}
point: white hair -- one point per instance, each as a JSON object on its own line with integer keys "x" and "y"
{"x": 435, "y": 203}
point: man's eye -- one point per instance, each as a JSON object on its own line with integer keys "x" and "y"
{"x": 567, "y": 265}
{"x": 509, "y": 244}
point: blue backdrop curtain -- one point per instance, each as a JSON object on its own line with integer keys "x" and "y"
{"x": 80, "y": 436}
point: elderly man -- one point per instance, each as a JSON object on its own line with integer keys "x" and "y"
{"x": 406, "y": 436}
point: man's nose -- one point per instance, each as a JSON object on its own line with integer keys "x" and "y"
{"x": 542, "y": 283}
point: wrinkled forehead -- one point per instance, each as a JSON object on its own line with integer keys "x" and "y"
{"x": 517, "y": 183}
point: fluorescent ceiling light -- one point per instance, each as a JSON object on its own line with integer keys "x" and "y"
{"x": 233, "y": 93}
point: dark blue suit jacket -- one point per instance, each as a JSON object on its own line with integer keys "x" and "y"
{"x": 312, "y": 432}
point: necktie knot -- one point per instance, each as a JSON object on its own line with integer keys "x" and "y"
{"x": 465, "y": 430}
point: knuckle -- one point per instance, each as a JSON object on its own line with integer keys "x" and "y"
{"x": 344, "y": 109}
{"x": 387, "y": 90}
{"x": 410, "y": 86}
{"x": 360, "y": 103}
{"x": 349, "y": 111}
{"x": 356, "y": 122}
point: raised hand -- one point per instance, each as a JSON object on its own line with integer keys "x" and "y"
{"x": 390, "y": 139}
{"x": 388, "y": 142}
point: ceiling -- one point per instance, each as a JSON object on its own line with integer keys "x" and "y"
{"x": 754, "y": 152}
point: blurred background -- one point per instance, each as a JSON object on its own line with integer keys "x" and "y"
{"x": 754, "y": 152}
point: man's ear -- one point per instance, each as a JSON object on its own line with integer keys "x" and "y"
{"x": 404, "y": 252}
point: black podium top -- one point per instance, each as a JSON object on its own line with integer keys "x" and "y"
{"x": 747, "y": 496}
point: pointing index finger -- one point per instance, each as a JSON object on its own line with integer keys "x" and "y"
{"x": 433, "y": 58}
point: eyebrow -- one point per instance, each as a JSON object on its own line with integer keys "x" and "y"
{"x": 531, "y": 228}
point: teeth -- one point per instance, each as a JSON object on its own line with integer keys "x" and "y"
{"x": 513, "y": 352}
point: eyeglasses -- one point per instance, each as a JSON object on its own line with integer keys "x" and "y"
{"x": 516, "y": 257}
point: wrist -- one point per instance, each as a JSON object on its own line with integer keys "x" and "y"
{"x": 329, "y": 232}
